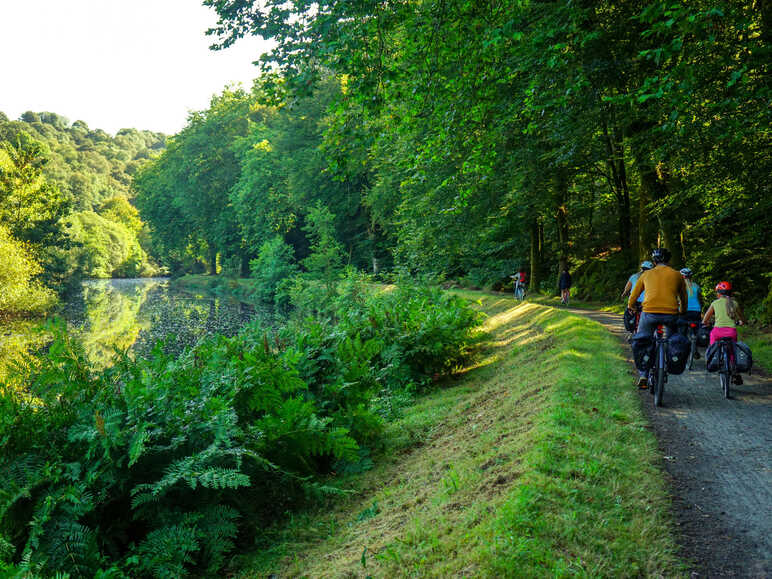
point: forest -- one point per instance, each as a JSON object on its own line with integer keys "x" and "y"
{"x": 468, "y": 139}
{"x": 65, "y": 210}
{"x": 384, "y": 149}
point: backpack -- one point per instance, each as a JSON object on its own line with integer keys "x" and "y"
{"x": 678, "y": 348}
{"x": 703, "y": 336}
{"x": 643, "y": 352}
{"x": 629, "y": 320}
{"x": 712, "y": 362}
{"x": 743, "y": 360}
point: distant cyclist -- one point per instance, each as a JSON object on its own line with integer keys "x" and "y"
{"x": 693, "y": 303}
{"x": 727, "y": 314}
{"x": 519, "y": 283}
{"x": 665, "y": 298}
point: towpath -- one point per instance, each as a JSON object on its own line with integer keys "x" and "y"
{"x": 718, "y": 455}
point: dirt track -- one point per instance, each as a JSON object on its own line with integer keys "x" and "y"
{"x": 718, "y": 454}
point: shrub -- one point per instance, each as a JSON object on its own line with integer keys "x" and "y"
{"x": 155, "y": 463}
{"x": 272, "y": 270}
{"x": 21, "y": 293}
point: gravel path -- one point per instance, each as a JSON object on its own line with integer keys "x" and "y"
{"x": 718, "y": 454}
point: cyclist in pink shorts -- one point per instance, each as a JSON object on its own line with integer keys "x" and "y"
{"x": 727, "y": 314}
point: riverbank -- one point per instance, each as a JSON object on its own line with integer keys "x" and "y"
{"x": 534, "y": 460}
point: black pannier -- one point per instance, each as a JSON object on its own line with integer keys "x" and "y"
{"x": 643, "y": 352}
{"x": 703, "y": 336}
{"x": 629, "y": 320}
{"x": 712, "y": 362}
{"x": 743, "y": 360}
{"x": 678, "y": 348}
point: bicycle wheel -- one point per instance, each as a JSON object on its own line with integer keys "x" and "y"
{"x": 693, "y": 340}
{"x": 659, "y": 387}
{"x": 725, "y": 377}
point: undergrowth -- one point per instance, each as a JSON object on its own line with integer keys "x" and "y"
{"x": 164, "y": 465}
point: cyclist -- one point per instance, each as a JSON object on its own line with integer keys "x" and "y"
{"x": 693, "y": 304}
{"x": 665, "y": 299}
{"x": 727, "y": 313}
{"x": 645, "y": 266}
{"x": 519, "y": 282}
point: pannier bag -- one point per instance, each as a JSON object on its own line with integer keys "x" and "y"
{"x": 643, "y": 352}
{"x": 743, "y": 360}
{"x": 678, "y": 348}
{"x": 712, "y": 362}
{"x": 629, "y": 320}
{"x": 703, "y": 336}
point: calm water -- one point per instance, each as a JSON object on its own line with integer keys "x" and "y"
{"x": 136, "y": 313}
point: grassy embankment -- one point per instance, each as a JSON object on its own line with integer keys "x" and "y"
{"x": 533, "y": 461}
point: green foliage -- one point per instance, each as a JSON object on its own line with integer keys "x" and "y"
{"x": 184, "y": 193}
{"x": 158, "y": 466}
{"x": 87, "y": 165}
{"x": 479, "y": 136}
{"x": 271, "y": 271}
{"x": 107, "y": 248}
{"x": 21, "y": 293}
{"x": 43, "y": 173}
{"x": 325, "y": 261}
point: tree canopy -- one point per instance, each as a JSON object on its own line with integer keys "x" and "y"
{"x": 469, "y": 138}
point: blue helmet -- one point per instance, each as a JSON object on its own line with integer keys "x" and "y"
{"x": 686, "y": 272}
{"x": 647, "y": 265}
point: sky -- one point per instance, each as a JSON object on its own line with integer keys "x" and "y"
{"x": 116, "y": 64}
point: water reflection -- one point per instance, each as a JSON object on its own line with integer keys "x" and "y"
{"x": 136, "y": 313}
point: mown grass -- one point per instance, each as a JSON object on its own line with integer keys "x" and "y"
{"x": 535, "y": 460}
{"x": 760, "y": 341}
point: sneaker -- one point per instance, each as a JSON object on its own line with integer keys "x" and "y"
{"x": 643, "y": 383}
{"x": 737, "y": 380}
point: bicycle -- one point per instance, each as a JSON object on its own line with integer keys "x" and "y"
{"x": 726, "y": 364}
{"x": 658, "y": 372}
{"x": 692, "y": 328}
{"x": 519, "y": 290}
{"x": 636, "y": 318}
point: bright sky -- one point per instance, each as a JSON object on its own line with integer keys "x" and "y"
{"x": 116, "y": 63}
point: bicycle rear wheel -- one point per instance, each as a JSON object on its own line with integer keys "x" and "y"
{"x": 659, "y": 387}
{"x": 725, "y": 376}
{"x": 693, "y": 340}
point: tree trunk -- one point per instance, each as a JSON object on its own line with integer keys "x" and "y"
{"x": 654, "y": 188}
{"x": 561, "y": 213}
{"x": 535, "y": 255}
{"x": 212, "y": 260}
{"x": 616, "y": 164}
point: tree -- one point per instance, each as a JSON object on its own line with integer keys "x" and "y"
{"x": 21, "y": 293}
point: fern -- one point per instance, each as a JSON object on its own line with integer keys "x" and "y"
{"x": 165, "y": 552}
{"x": 219, "y": 522}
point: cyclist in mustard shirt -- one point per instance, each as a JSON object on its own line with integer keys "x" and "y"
{"x": 665, "y": 298}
